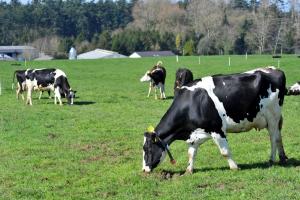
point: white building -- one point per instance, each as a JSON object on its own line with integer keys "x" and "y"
{"x": 100, "y": 53}
{"x": 20, "y": 52}
{"x": 140, "y": 54}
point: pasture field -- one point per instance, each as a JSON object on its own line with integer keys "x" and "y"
{"x": 93, "y": 149}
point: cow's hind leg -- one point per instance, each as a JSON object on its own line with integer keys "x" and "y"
{"x": 222, "y": 143}
{"x": 274, "y": 129}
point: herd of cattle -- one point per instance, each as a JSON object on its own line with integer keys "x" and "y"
{"x": 202, "y": 109}
{"x": 211, "y": 107}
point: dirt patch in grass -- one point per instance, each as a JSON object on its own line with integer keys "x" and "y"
{"x": 91, "y": 159}
{"x": 52, "y": 135}
{"x": 168, "y": 175}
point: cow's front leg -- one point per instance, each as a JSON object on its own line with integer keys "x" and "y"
{"x": 192, "y": 151}
{"x": 41, "y": 92}
{"x": 155, "y": 92}
{"x": 222, "y": 143}
{"x": 58, "y": 96}
{"x": 149, "y": 91}
{"x": 29, "y": 100}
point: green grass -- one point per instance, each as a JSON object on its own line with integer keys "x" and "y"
{"x": 93, "y": 150}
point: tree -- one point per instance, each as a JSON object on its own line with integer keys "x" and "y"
{"x": 188, "y": 48}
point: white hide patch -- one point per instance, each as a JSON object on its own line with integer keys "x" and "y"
{"x": 59, "y": 73}
{"x": 198, "y": 136}
{"x": 270, "y": 109}
{"x": 262, "y": 69}
{"x": 145, "y": 78}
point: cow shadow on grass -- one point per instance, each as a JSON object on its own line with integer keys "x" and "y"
{"x": 292, "y": 162}
{"x": 83, "y": 103}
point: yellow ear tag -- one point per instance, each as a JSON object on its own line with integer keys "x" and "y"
{"x": 150, "y": 129}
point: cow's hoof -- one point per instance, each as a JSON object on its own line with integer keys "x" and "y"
{"x": 188, "y": 171}
{"x": 235, "y": 168}
{"x": 283, "y": 160}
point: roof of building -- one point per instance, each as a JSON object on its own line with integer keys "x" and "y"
{"x": 152, "y": 53}
{"x": 100, "y": 53}
{"x": 11, "y": 49}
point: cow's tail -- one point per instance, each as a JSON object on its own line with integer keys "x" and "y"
{"x": 13, "y": 80}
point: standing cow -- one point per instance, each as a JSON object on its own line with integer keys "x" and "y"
{"x": 21, "y": 83}
{"x": 213, "y": 106}
{"x": 49, "y": 79}
{"x": 156, "y": 76}
{"x": 183, "y": 77}
{"x": 294, "y": 89}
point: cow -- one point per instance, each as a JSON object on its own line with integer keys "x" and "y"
{"x": 156, "y": 76}
{"x": 21, "y": 84}
{"x": 294, "y": 89}
{"x": 183, "y": 77}
{"x": 49, "y": 79}
{"x": 211, "y": 107}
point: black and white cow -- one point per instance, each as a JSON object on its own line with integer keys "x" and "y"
{"x": 49, "y": 79}
{"x": 212, "y": 106}
{"x": 183, "y": 77}
{"x": 21, "y": 84}
{"x": 294, "y": 89}
{"x": 156, "y": 76}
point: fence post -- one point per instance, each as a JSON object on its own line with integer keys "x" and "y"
{"x": 229, "y": 62}
{"x": 0, "y": 88}
{"x": 177, "y": 59}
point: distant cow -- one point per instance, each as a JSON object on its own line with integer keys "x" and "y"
{"x": 211, "y": 107}
{"x": 183, "y": 77}
{"x": 156, "y": 76}
{"x": 49, "y": 79}
{"x": 294, "y": 89}
{"x": 21, "y": 84}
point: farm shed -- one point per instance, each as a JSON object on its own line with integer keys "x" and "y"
{"x": 20, "y": 52}
{"x": 140, "y": 54}
{"x": 100, "y": 53}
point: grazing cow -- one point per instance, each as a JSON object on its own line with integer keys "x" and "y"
{"x": 21, "y": 83}
{"x": 49, "y": 79}
{"x": 156, "y": 76}
{"x": 215, "y": 105}
{"x": 183, "y": 77}
{"x": 294, "y": 89}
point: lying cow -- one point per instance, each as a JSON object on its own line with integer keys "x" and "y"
{"x": 183, "y": 77}
{"x": 21, "y": 84}
{"x": 156, "y": 76}
{"x": 49, "y": 79}
{"x": 213, "y": 106}
{"x": 294, "y": 89}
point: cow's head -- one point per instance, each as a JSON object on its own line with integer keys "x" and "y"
{"x": 70, "y": 96}
{"x": 146, "y": 77}
{"x": 153, "y": 151}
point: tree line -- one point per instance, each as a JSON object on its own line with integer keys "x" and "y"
{"x": 187, "y": 27}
